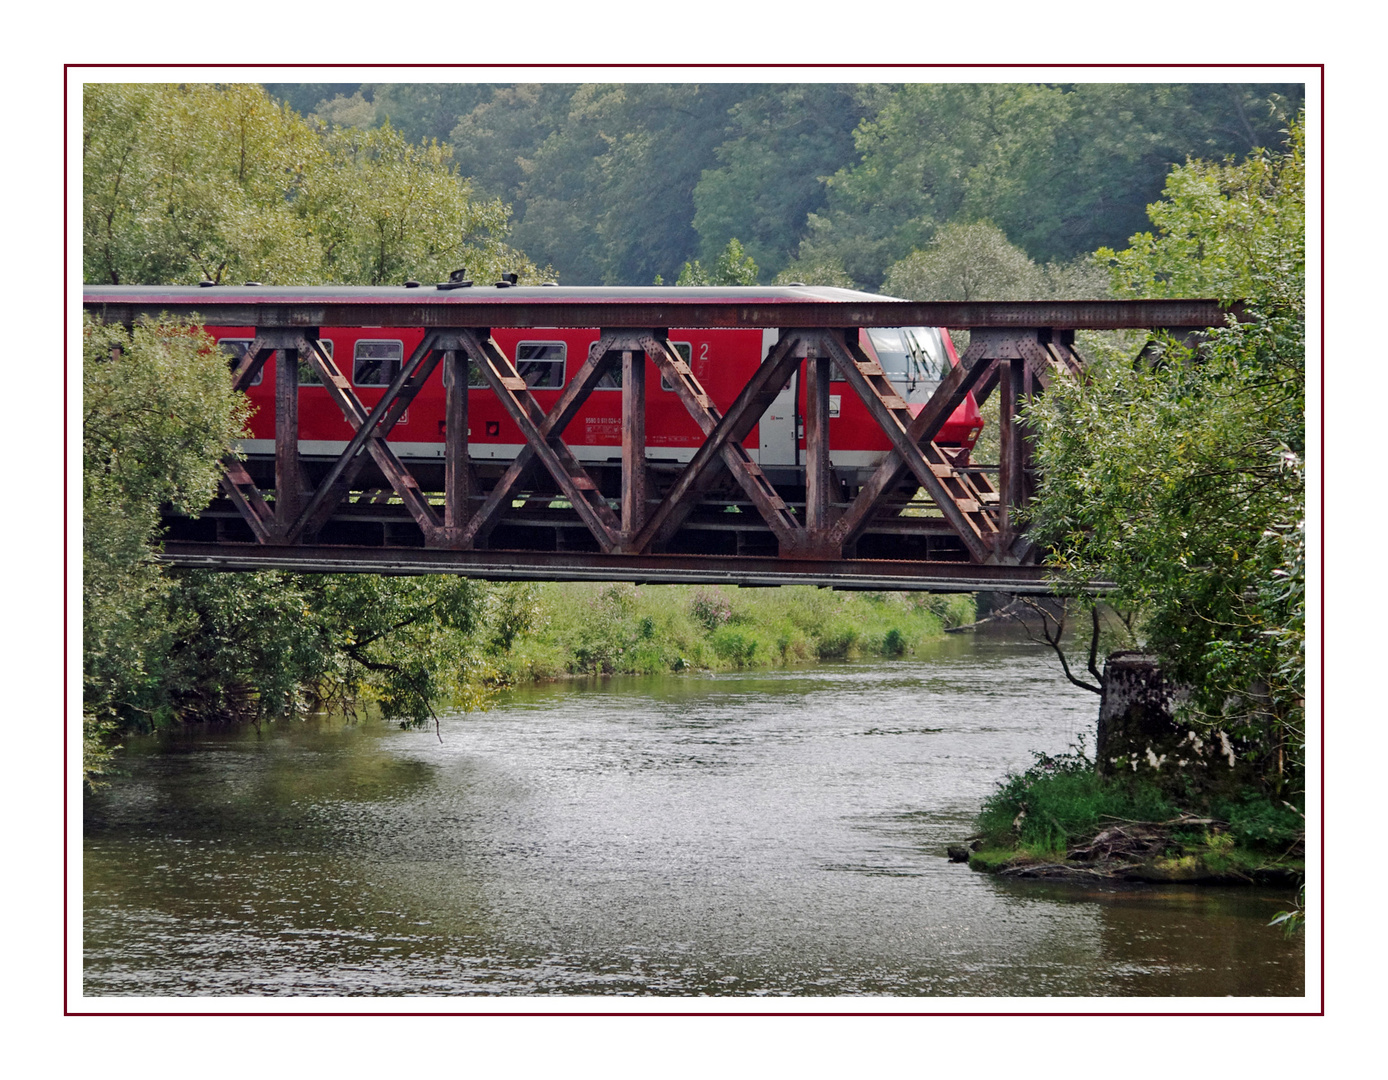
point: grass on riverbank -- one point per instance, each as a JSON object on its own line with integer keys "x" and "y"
{"x": 1060, "y": 811}
{"x": 565, "y": 629}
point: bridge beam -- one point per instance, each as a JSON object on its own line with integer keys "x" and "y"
{"x": 851, "y": 574}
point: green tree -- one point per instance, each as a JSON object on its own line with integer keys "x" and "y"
{"x": 1060, "y": 169}
{"x": 1224, "y": 229}
{"x": 816, "y": 270}
{"x": 495, "y": 143}
{"x": 272, "y": 645}
{"x": 183, "y": 183}
{"x": 733, "y": 267}
{"x": 186, "y": 183}
{"x": 966, "y": 261}
{"x": 976, "y": 261}
{"x": 608, "y": 194}
{"x": 784, "y": 140}
{"x": 158, "y": 413}
{"x": 1182, "y": 481}
{"x": 425, "y": 112}
{"x": 932, "y": 153}
{"x": 384, "y": 210}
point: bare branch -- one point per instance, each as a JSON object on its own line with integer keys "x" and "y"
{"x": 1053, "y": 639}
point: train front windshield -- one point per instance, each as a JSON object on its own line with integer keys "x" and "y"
{"x": 910, "y": 356}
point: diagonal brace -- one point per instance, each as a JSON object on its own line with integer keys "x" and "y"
{"x": 543, "y": 441}
{"x": 722, "y": 445}
{"x": 848, "y": 359}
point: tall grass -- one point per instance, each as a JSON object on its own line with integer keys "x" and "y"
{"x": 588, "y": 629}
{"x": 1060, "y": 800}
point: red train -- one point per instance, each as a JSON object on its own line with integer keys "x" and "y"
{"x": 914, "y": 358}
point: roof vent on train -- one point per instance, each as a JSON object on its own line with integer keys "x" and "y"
{"x": 253, "y": 283}
{"x": 456, "y": 280}
{"x": 206, "y": 283}
{"x": 411, "y": 283}
{"x": 507, "y": 280}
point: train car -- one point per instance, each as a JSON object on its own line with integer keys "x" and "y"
{"x": 722, "y": 359}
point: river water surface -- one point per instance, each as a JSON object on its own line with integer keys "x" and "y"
{"x": 763, "y": 833}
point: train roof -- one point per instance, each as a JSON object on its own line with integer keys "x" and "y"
{"x": 452, "y": 294}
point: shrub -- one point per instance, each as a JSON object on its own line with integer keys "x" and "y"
{"x": 710, "y": 608}
{"x": 734, "y": 646}
{"x": 837, "y": 641}
{"x": 1257, "y": 821}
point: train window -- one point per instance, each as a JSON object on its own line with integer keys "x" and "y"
{"x": 686, "y": 353}
{"x": 237, "y": 348}
{"x": 376, "y": 363}
{"x": 927, "y": 349}
{"x": 308, "y": 374}
{"x": 541, "y": 364}
{"x": 909, "y": 354}
{"x": 612, "y": 378}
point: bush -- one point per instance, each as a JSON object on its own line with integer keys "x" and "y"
{"x": 710, "y": 608}
{"x": 837, "y": 641}
{"x": 735, "y": 646}
{"x": 1257, "y": 821}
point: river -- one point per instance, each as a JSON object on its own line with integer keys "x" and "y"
{"x": 763, "y": 833}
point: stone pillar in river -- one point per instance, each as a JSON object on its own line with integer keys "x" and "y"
{"x": 1139, "y": 736}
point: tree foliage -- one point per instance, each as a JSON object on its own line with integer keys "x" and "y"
{"x": 618, "y": 183}
{"x": 732, "y": 267}
{"x": 816, "y": 270}
{"x": 607, "y": 173}
{"x": 158, "y": 413}
{"x": 1182, "y": 481}
{"x": 384, "y": 210}
{"x": 184, "y": 183}
{"x": 782, "y": 141}
{"x": 270, "y": 645}
{"x": 1060, "y": 170}
{"x": 421, "y": 112}
{"x": 976, "y": 261}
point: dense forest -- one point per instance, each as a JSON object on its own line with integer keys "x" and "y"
{"x": 1181, "y": 481}
{"x": 620, "y": 184}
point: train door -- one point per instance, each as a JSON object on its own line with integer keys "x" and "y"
{"x": 777, "y": 424}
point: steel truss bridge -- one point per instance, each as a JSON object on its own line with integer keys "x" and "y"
{"x": 925, "y": 519}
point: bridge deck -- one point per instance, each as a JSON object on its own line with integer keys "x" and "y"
{"x": 855, "y": 574}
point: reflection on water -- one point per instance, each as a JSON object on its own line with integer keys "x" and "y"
{"x": 776, "y": 833}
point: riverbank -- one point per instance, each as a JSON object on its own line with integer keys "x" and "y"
{"x": 1060, "y": 819}
{"x": 574, "y": 629}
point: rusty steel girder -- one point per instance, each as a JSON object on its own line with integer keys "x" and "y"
{"x": 777, "y": 307}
